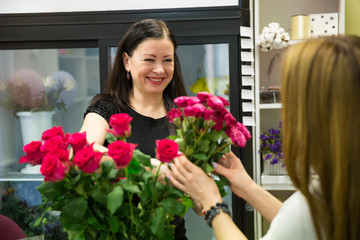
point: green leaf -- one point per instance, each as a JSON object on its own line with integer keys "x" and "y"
{"x": 110, "y": 138}
{"x": 71, "y": 223}
{"x": 187, "y": 202}
{"x": 200, "y": 156}
{"x": 141, "y": 157}
{"x": 212, "y": 148}
{"x": 75, "y": 208}
{"x": 115, "y": 199}
{"x": 214, "y": 136}
{"x": 145, "y": 194}
{"x": 147, "y": 175}
{"x": 106, "y": 167}
{"x": 207, "y": 168}
{"x": 132, "y": 188}
{"x": 52, "y": 190}
{"x": 113, "y": 223}
{"x": 173, "y": 206}
{"x": 94, "y": 222}
{"x": 134, "y": 166}
{"x": 203, "y": 146}
{"x": 99, "y": 196}
{"x": 157, "y": 223}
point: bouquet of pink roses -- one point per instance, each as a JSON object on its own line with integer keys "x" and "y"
{"x": 206, "y": 130}
{"x": 112, "y": 199}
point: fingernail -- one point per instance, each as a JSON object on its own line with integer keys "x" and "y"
{"x": 170, "y": 164}
{"x": 168, "y": 177}
{"x": 214, "y": 164}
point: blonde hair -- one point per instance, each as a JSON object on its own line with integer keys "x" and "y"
{"x": 321, "y": 130}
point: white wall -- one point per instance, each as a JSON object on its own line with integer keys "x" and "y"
{"x": 41, "y": 6}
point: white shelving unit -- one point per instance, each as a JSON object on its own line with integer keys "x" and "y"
{"x": 268, "y": 115}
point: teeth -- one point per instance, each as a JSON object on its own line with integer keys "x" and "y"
{"x": 155, "y": 79}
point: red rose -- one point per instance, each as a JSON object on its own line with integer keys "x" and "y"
{"x": 77, "y": 141}
{"x": 33, "y": 153}
{"x": 166, "y": 150}
{"x": 181, "y": 101}
{"x": 52, "y": 132}
{"x": 203, "y": 96}
{"x": 55, "y": 142}
{"x": 121, "y": 152}
{"x": 87, "y": 159}
{"x": 215, "y": 103}
{"x": 120, "y": 124}
{"x": 52, "y": 168}
{"x": 174, "y": 113}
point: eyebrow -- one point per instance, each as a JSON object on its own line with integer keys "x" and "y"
{"x": 152, "y": 55}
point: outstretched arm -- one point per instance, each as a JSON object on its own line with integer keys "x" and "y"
{"x": 243, "y": 186}
{"x": 191, "y": 179}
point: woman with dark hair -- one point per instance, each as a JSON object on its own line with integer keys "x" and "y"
{"x": 144, "y": 80}
{"x": 321, "y": 125}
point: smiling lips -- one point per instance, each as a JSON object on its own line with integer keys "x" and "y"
{"x": 156, "y": 81}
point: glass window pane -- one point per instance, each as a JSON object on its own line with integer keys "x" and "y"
{"x": 59, "y": 80}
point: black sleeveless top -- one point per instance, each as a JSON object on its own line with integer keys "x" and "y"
{"x": 144, "y": 132}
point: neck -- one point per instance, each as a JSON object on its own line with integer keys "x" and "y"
{"x": 150, "y": 105}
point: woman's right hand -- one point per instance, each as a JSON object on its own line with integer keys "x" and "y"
{"x": 230, "y": 166}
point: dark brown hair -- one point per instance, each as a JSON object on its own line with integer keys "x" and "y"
{"x": 119, "y": 87}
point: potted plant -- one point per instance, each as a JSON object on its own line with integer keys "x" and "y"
{"x": 34, "y": 99}
{"x": 271, "y": 151}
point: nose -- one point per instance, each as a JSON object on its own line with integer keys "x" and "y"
{"x": 159, "y": 68}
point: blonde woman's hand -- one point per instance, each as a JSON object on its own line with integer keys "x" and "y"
{"x": 192, "y": 180}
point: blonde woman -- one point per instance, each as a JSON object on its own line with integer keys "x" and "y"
{"x": 321, "y": 138}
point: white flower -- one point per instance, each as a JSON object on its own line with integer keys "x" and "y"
{"x": 49, "y": 81}
{"x": 273, "y": 37}
{"x": 68, "y": 84}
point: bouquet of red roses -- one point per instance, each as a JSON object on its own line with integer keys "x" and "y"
{"x": 206, "y": 130}
{"x": 105, "y": 199}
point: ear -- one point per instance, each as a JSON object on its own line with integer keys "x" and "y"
{"x": 126, "y": 61}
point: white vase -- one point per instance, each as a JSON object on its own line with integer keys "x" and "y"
{"x": 33, "y": 124}
{"x": 274, "y": 169}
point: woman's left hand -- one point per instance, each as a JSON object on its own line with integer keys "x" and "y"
{"x": 192, "y": 180}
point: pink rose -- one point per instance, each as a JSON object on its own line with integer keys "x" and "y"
{"x": 120, "y": 124}
{"x": 193, "y": 100}
{"x": 33, "y": 153}
{"x": 196, "y": 110}
{"x": 77, "y": 141}
{"x": 203, "y": 96}
{"x": 181, "y": 101}
{"x": 52, "y": 132}
{"x": 87, "y": 159}
{"x": 237, "y": 137}
{"x": 244, "y": 130}
{"x": 52, "y": 168}
{"x": 208, "y": 114}
{"x": 166, "y": 150}
{"x": 224, "y": 101}
{"x": 229, "y": 119}
{"x": 174, "y": 113}
{"x": 215, "y": 103}
{"x": 121, "y": 152}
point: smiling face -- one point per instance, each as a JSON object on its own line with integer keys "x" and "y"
{"x": 151, "y": 66}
